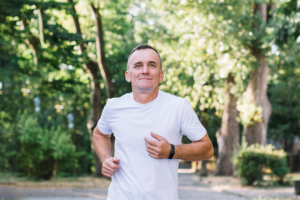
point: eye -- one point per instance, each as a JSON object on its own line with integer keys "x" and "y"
{"x": 137, "y": 66}
{"x": 152, "y": 65}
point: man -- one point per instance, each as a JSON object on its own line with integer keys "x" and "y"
{"x": 148, "y": 125}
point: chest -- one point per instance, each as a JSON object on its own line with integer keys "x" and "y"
{"x": 131, "y": 125}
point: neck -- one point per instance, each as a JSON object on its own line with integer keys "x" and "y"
{"x": 144, "y": 96}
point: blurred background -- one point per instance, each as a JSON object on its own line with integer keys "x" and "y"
{"x": 236, "y": 61}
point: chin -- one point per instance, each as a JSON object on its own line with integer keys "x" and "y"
{"x": 144, "y": 89}
{"x": 146, "y": 86}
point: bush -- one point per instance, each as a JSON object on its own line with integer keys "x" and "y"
{"x": 7, "y": 152}
{"x": 249, "y": 162}
{"x": 41, "y": 150}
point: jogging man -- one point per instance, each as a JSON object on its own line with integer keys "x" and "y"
{"x": 148, "y": 125}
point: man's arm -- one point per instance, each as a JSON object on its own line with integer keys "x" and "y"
{"x": 103, "y": 149}
{"x": 197, "y": 150}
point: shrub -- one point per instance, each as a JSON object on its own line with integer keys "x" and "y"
{"x": 249, "y": 162}
{"x": 7, "y": 152}
{"x": 41, "y": 150}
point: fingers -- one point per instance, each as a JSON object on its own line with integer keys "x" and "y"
{"x": 158, "y": 137}
{"x": 152, "y": 147}
{"x": 107, "y": 173}
{"x": 157, "y": 149}
{"x": 116, "y": 160}
{"x": 150, "y": 141}
{"x": 110, "y": 166}
{"x": 152, "y": 153}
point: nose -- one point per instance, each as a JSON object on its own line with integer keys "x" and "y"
{"x": 145, "y": 69}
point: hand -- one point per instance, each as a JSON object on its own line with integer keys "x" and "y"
{"x": 110, "y": 166}
{"x": 158, "y": 149}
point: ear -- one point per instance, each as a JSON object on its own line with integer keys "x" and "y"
{"x": 127, "y": 76}
{"x": 161, "y": 77}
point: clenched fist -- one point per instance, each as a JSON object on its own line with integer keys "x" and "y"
{"x": 158, "y": 149}
{"x": 110, "y": 166}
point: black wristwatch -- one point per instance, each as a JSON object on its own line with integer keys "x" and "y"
{"x": 172, "y": 151}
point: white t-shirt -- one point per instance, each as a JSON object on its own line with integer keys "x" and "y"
{"x": 141, "y": 177}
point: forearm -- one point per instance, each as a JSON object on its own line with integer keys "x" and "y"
{"x": 200, "y": 150}
{"x": 102, "y": 145}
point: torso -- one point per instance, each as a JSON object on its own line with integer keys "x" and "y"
{"x": 141, "y": 176}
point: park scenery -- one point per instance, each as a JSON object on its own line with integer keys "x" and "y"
{"x": 236, "y": 61}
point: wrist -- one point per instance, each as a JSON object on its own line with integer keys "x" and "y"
{"x": 106, "y": 158}
{"x": 172, "y": 151}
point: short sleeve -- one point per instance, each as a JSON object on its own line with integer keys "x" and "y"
{"x": 103, "y": 123}
{"x": 190, "y": 124}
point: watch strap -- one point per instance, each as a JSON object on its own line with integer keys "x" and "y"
{"x": 172, "y": 151}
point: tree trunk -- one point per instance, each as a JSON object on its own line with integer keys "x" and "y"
{"x": 228, "y": 134}
{"x": 203, "y": 169}
{"x": 92, "y": 69}
{"x": 257, "y": 89}
{"x": 33, "y": 42}
{"x": 257, "y": 92}
{"x": 41, "y": 25}
{"x": 101, "y": 53}
{"x": 54, "y": 170}
{"x": 102, "y": 61}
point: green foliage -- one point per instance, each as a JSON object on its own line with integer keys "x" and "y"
{"x": 6, "y": 152}
{"x": 248, "y": 111}
{"x": 284, "y": 87}
{"x": 249, "y": 162}
{"x": 39, "y": 148}
{"x": 200, "y": 42}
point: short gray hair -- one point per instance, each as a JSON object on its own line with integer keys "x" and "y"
{"x": 143, "y": 46}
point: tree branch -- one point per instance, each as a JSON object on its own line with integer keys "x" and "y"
{"x": 32, "y": 42}
{"x": 41, "y": 24}
{"x": 100, "y": 52}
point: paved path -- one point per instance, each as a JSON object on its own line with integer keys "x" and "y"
{"x": 190, "y": 188}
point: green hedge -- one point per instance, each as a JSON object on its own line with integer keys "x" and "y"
{"x": 41, "y": 149}
{"x": 249, "y": 162}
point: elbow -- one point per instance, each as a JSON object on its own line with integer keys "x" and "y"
{"x": 94, "y": 132}
{"x": 97, "y": 135}
{"x": 210, "y": 152}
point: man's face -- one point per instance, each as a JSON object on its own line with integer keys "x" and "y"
{"x": 144, "y": 70}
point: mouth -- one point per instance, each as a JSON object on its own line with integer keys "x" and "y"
{"x": 145, "y": 79}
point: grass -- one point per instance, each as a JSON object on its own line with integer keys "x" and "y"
{"x": 11, "y": 179}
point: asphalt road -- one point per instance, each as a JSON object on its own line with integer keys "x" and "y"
{"x": 190, "y": 188}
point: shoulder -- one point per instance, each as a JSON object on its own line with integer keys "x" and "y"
{"x": 174, "y": 100}
{"x": 111, "y": 102}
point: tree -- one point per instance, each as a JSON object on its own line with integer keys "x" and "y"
{"x": 198, "y": 57}
{"x": 90, "y": 65}
{"x": 43, "y": 91}
{"x": 258, "y": 82}
{"x": 100, "y": 51}
{"x": 92, "y": 69}
{"x": 284, "y": 82}
{"x": 228, "y": 134}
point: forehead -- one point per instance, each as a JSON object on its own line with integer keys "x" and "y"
{"x": 143, "y": 55}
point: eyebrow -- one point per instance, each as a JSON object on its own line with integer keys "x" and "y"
{"x": 142, "y": 62}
